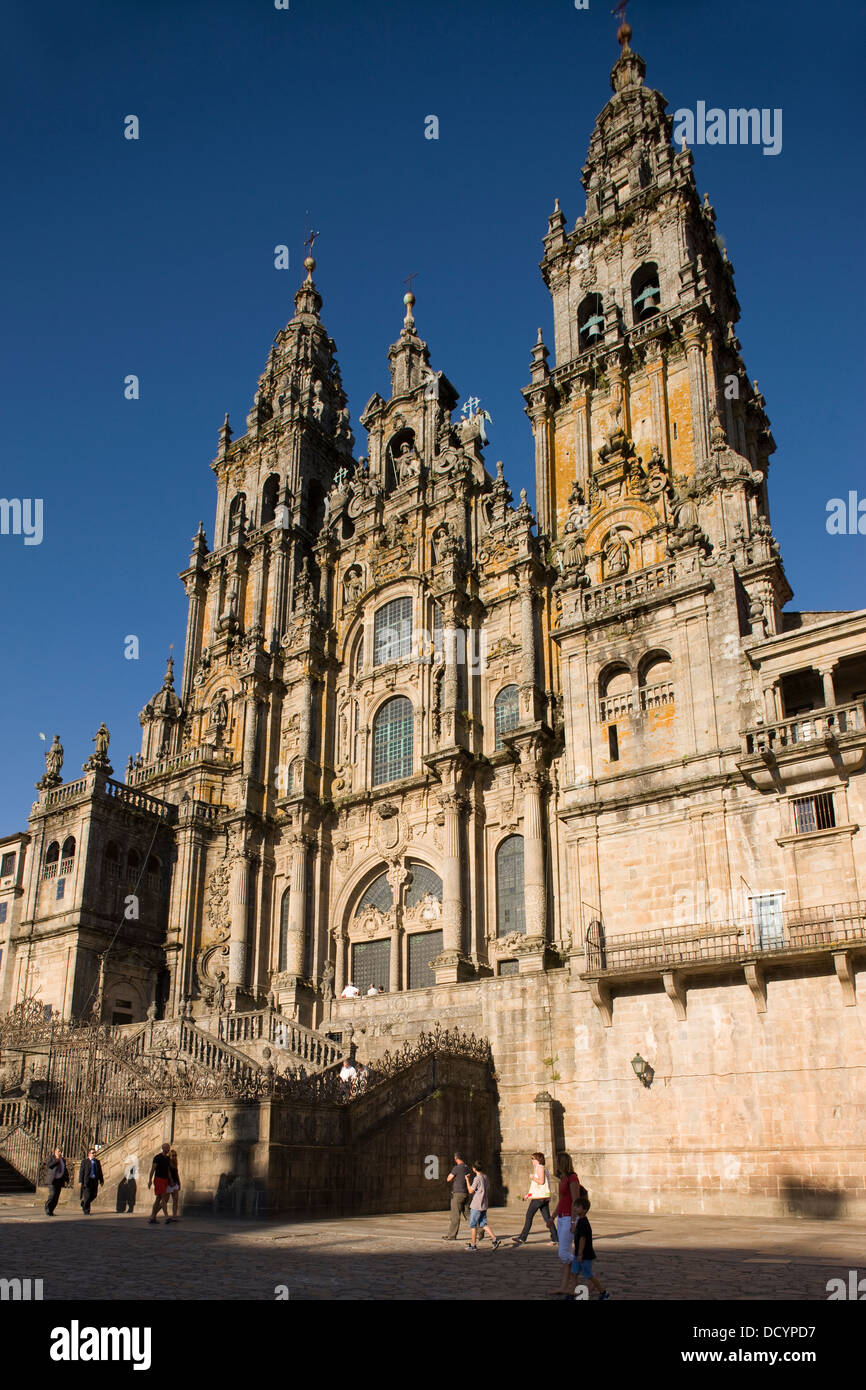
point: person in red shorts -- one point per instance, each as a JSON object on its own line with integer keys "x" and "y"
{"x": 160, "y": 1179}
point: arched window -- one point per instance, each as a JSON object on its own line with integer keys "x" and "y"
{"x": 392, "y": 741}
{"x": 425, "y": 883}
{"x": 52, "y": 854}
{"x": 656, "y": 680}
{"x": 357, "y": 664}
{"x": 379, "y": 894}
{"x": 133, "y": 865}
{"x": 270, "y": 498}
{"x": 645, "y": 292}
{"x": 506, "y": 713}
{"x": 590, "y": 322}
{"x": 510, "y": 912}
{"x": 151, "y": 873}
{"x": 67, "y": 854}
{"x": 615, "y": 691}
{"x": 283, "y": 957}
{"x": 392, "y": 632}
{"x": 111, "y": 860}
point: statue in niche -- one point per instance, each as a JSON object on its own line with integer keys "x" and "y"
{"x": 616, "y": 556}
{"x": 407, "y": 463}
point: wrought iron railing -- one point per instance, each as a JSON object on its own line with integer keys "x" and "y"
{"x": 821, "y": 928}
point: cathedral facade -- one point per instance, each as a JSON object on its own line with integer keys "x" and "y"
{"x": 538, "y": 774}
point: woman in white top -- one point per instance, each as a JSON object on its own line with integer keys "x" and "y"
{"x": 538, "y": 1197}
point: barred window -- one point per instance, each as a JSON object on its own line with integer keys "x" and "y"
{"x": 510, "y": 914}
{"x": 814, "y": 813}
{"x": 424, "y": 947}
{"x": 7, "y": 865}
{"x": 377, "y": 895}
{"x": 392, "y": 632}
{"x": 506, "y": 713}
{"x": 392, "y": 741}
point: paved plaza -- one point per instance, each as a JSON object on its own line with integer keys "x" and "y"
{"x": 403, "y": 1257}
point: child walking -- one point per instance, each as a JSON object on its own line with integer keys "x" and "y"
{"x": 480, "y": 1190}
{"x": 584, "y": 1254}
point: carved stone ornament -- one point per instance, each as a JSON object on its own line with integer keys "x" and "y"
{"x": 216, "y": 1124}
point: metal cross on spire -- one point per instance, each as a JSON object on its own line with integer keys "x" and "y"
{"x": 409, "y": 279}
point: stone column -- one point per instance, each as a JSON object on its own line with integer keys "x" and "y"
{"x": 451, "y": 681}
{"x": 342, "y": 965}
{"x": 454, "y": 807}
{"x": 195, "y": 589}
{"x": 238, "y": 946}
{"x": 297, "y": 907}
{"x": 826, "y": 673}
{"x": 529, "y": 652}
{"x": 698, "y": 393}
{"x": 250, "y": 729}
{"x": 278, "y": 583}
{"x": 581, "y": 440}
{"x": 533, "y": 854}
{"x": 545, "y": 1127}
{"x": 656, "y": 373}
{"x": 541, "y": 434}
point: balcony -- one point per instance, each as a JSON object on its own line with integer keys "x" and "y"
{"x": 811, "y": 744}
{"x": 835, "y": 932}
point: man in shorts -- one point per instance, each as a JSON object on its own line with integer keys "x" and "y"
{"x": 160, "y": 1179}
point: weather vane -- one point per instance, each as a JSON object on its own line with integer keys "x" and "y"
{"x": 619, "y": 13}
{"x": 409, "y": 279}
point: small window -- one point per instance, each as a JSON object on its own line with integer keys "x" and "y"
{"x": 509, "y": 967}
{"x": 118, "y": 1018}
{"x": 506, "y": 713}
{"x": 392, "y": 632}
{"x": 4, "y": 907}
{"x": 7, "y": 865}
{"x": 123, "y": 1003}
{"x": 613, "y": 743}
{"x": 813, "y": 813}
{"x": 61, "y": 889}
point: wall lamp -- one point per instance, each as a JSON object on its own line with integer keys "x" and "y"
{"x": 642, "y": 1070}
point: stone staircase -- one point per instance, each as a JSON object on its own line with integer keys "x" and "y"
{"x": 12, "y": 1183}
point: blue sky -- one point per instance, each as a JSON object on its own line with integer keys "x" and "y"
{"x": 155, "y": 257}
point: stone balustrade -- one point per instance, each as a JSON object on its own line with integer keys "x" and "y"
{"x": 816, "y": 725}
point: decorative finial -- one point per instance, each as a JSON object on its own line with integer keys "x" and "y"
{"x": 623, "y": 33}
{"x": 540, "y": 338}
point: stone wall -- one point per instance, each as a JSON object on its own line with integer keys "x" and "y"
{"x": 747, "y": 1113}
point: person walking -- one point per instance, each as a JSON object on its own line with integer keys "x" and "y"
{"x": 58, "y": 1178}
{"x": 570, "y": 1192}
{"x": 459, "y": 1177}
{"x": 480, "y": 1191}
{"x": 90, "y": 1179}
{"x": 538, "y": 1197}
{"x": 174, "y": 1185}
{"x": 159, "y": 1178}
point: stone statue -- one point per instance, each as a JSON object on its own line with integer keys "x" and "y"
{"x": 327, "y": 982}
{"x": 102, "y": 738}
{"x": 616, "y": 556}
{"x": 54, "y": 758}
{"x": 573, "y": 549}
{"x": 53, "y": 764}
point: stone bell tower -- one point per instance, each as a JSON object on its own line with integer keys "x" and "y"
{"x": 649, "y": 436}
